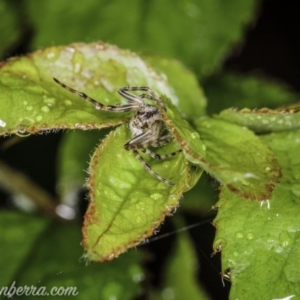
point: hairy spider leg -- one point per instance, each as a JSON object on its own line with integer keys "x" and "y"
{"x": 139, "y": 142}
{"x": 132, "y": 106}
{"x": 142, "y": 141}
{"x": 158, "y": 156}
{"x": 124, "y": 92}
{"x": 145, "y": 138}
{"x": 148, "y": 168}
{"x": 162, "y": 141}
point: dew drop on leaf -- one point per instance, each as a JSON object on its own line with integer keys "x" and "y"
{"x": 2, "y": 123}
{"x": 284, "y": 239}
{"x": 24, "y": 124}
{"x": 77, "y": 61}
{"x": 156, "y": 196}
{"x": 68, "y": 102}
{"x": 49, "y": 101}
{"x": 194, "y": 135}
{"x": 239, "y": 235}
{"x": 250, "y": 236}
{"x": 45, "y": 109}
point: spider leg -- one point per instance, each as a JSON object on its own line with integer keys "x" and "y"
{"x": 155, "y": 98}
{"x": 124, "y": 92}
{"x": 98, "y": 105}
{"x": 148, "y": 168}
{"x": 162, "y": 141}
{"x": 159, "y": 156}
{"x": 140, "y": 142}
{"x": 137, "y": 141}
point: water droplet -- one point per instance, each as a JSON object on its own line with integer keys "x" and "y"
{"x": 156, "y": 196}
{"x": 49, "y": 101}
{"x": 194, "y": 135}
{"x": 284, "y": 239}
{"x": 111, "y": 256}
{"x": 51, "y": 54}
{"x": 23, "y": 126}
{"x": 77, "y": 61}
{"x": 166, "y": 164}
{"x": 2, "y": 123}
{"x": 45, "y": 109}
{"x": 39, "y": 118}
{"x": 68, "y": 102}
{"x": 25, "y": 102}
{"x": 239, "y": 235}
{"x": 267, "y": 169}
{"x": 218, "y": 245}
{"x": 250, "y": 236}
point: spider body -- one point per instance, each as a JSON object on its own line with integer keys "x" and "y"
{"x": 146, "y": 125}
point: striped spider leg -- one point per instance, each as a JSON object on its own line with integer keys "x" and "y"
{"x": 146, "y": 125}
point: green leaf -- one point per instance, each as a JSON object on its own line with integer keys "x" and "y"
{"x": 264, "y": 120}
{"x": 259, "y": 241}
{"x": 237, "y": 90}
{"x": 127, "y": 202}
{"x": 183, "y": 258}
{"x": 54, "y": 261}
{"x": 192, "y": 102}
{"x": 253, "y": 175}
{"x": 238, "y": 158}
{"x": 200, "y": 33}
{"x": 184, "y": 134}
{"x": 30, "y": 101}
{"x": 19, "y": 233}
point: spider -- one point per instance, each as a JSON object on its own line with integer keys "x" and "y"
{"x": 146, "y": 125}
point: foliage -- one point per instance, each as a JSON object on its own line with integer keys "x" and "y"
{"x": 257, "y": 229}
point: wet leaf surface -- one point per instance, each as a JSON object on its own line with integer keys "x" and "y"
{"x": 259, "y": 241}
{"x": 127, "y": 203}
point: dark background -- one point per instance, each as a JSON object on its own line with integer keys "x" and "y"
{"x": 272, "y": 44}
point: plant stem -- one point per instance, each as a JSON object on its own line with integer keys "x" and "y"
{"x": 16, "y": 183}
